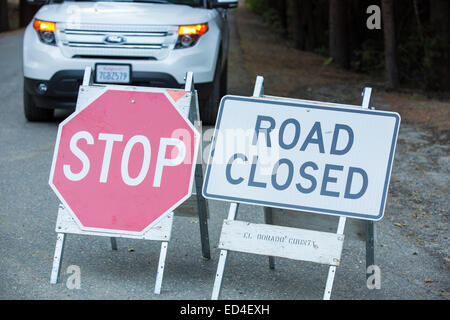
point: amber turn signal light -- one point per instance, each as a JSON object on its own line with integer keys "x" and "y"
{"x": 40, "y": 25}
{"x": 198, "y": 29}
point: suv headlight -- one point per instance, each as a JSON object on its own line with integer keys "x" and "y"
{"x": 189, "y": 35}
{"x": 45, "y": 31}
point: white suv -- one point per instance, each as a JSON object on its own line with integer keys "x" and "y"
{"x": 142, "y": 42}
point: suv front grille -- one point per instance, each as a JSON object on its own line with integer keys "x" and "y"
{"x": 112, "y": 57}
{"x": 152, "y": 42}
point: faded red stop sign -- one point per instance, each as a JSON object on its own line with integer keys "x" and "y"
{"x": 124, "y": 160}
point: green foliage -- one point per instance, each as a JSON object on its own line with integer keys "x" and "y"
{"x": 369, "y": 58}
{"x": 269, "y": 15}
{"x": 328, "y": 61}
{"x": 421, "y": 58}
{"x": 271, "y": 19}
{"x": 322, "y": 51}
{"x": 257, "y": 6}
{"x": 421, "y": 54}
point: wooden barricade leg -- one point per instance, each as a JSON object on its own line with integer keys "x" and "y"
{"x": 370, "y": 254}
{"x": 332, "y": 269}
{"x": 202, "y": 213}
{"x": 370, "y": 245}
{"x": 329, "y": 283}
{"x": 258, "y": 91}
{"x": 202, "y": 208}
{"x": 223, "y": 257}
{"x": 161, "y": 264}
{"x": 219, "y": 275}
{"x": 57, "y": 258}
{"x": 370, "y": 226}
{"x": 59, "y": 248}
{"x": 268, "y": 220}
{"x": 113, "y": 244}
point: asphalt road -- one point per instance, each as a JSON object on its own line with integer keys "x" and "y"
{"x": 28, "y": 210}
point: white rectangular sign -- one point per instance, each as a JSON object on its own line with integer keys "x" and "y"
{"x": 309, "y": 156}
{"x": 283, "y": 242}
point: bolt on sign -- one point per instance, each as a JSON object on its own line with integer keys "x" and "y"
{"x": 309, "y": 156}
{"x": 124, "y": 161}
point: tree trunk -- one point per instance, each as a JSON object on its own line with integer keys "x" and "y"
{"x": 439, "y": 10}
{"x": 280, "y": 8}
{"x": 282, "y": 13}
{"x": 338, "y": 41}
{"x": 26, "y": 12}
{"x": 390, "y": 52}
{"x": 4, "y": 23}
{"x": 296, "y": 24}
{"x": 308, "y": 22}
{"x": 320, "y": 16}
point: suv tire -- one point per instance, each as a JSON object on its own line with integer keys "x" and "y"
{"x": 224, "y": 81}
{"x": 209, "y": 99}
{"x": 33, "y": 113}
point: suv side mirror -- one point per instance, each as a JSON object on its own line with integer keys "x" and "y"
{"x": 227, "y": 4}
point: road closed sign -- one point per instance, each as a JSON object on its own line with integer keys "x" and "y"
{"x": 125, "y": 160}
{"x": 302, "y": 155}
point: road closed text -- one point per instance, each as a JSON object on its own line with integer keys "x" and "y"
{"x": 306, "y": 175}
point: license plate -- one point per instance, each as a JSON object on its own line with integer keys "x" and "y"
{"x": 109, "y": 73}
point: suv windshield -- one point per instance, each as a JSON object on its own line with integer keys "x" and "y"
{"x": 194, "y": 3}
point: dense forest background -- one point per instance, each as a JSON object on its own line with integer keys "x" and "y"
{"x": 411, "y": 47}
{"x": 16, "y": 13}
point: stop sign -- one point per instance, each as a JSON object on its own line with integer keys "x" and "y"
{"x": 124, "y": 160}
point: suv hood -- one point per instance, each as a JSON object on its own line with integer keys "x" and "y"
{"x": 124, "y": 13}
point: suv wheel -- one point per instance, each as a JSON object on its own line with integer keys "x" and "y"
{"x": 224, "y": 80}
{"x": 209, "y": 99}
{"x": 33, "y": 113}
